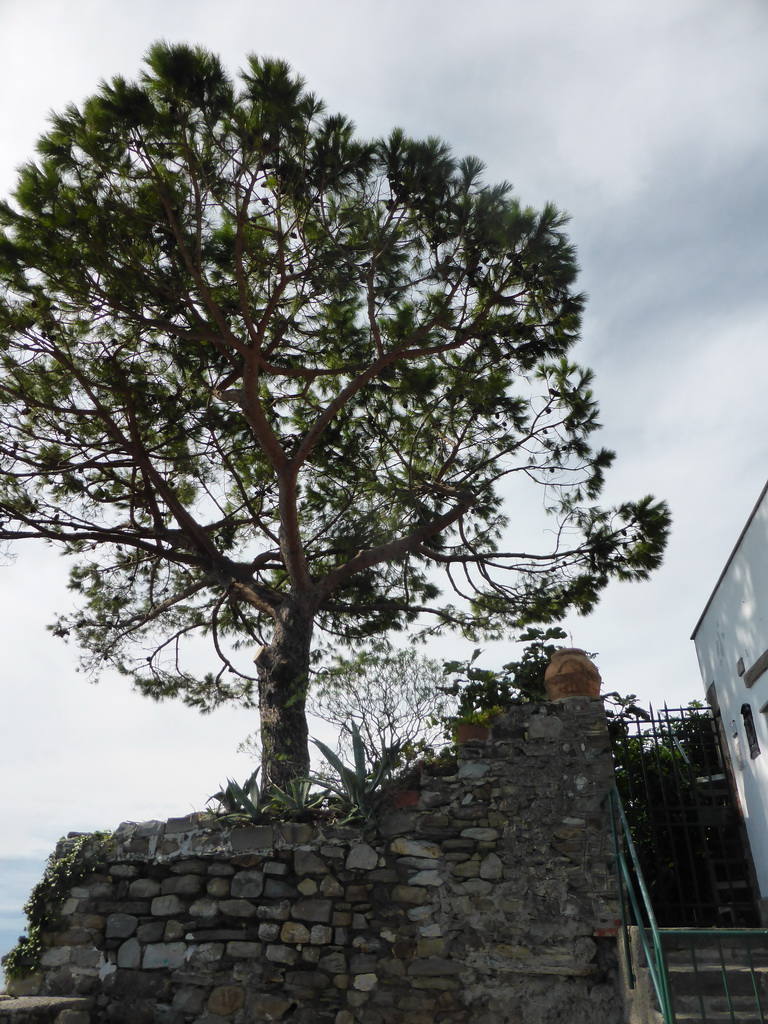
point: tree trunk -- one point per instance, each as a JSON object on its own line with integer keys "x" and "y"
{"x": 283, "y": 671}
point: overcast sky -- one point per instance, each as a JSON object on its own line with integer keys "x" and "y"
{"x": 645, "y": 119}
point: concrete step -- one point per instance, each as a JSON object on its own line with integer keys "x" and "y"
{"x": 711, "y": 982}
{"x": 710, "y": 960}
{"x": 717, "y": 1003}
{"x": 716, "y": 1018}
{"x": 719, "y": 952}
{"x": 45, "y": 1010}
{"x": 741, "y": 962}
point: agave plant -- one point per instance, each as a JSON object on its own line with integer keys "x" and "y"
{"x": 357, "y": 790}
{"x": 242, "y": 801}
{"x": 297, "y": 798}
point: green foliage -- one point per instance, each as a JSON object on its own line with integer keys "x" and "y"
{"x": 356, "y": 793}
{"x": 298, "y": 800}
{"x": 258, "y": 377}
{"x": 242, "y": 801}
{"x": 482, "y": 694}
{"x": 84, "y": 856}
{"x": 622, "y": 710}
{"x": 247, "y": 802}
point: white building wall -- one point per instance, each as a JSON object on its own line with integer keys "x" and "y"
{"x": 734, "y": 626}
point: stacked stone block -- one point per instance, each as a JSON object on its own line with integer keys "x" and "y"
{"x": 489, "y": 899}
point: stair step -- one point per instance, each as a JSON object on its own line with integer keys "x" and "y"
{"x": 713, "y": 950}
{"x": 715, "y": 1018}
{"x": 702, "y": 963}
{"x": 717, "y": 1004}
{"x": 687, "y": 989}
{"x": 699, "y": 968}
{"x": 710, "y": 964}
{"x": 43, "y": 1009}
{"x": 735, "y": 973}
{"x": 740, "y": 1015}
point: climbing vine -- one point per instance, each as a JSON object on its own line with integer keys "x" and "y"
{"x": 85, "y": 855}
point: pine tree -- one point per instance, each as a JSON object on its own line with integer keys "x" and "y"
{"x": 261, "y": 378}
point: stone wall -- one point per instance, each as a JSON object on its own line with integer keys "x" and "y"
{"x": 485, "y": 897}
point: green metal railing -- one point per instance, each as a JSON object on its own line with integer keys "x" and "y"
{"x": 628, "y": 884}
{"x": 703, "y": 954}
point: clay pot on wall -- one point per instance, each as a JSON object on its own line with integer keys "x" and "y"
{"x": 467, "y": 731}
{"x": 570, "y": 673}
{"x": 406, "y": 798}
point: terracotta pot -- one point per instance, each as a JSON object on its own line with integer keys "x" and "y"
{"x": 466, "y": 731}
{"x": 570, "y": 673}
{"x": 406, "y": 798}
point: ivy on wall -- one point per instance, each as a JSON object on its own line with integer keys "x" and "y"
{"x": 86, "y": 853}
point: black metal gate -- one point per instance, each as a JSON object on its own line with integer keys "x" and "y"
{"x": 674, "y": 782}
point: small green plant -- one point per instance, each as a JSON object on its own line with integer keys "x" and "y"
{"x": 621, "y": 710}
{"x": 248, "y": 803}
{"x": 353, "y": 792}
{"x": 441, "y": 762}
{"x": 85, "y": 855}
{"x": 482, "y": 694}
{"x": 484, "y": 717}
{"x": 297, "y": 800}
{"x": 357, "y": 791}
{"x": 242, "y": 802}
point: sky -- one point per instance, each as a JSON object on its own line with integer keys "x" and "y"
{"x": 645, "y": 120}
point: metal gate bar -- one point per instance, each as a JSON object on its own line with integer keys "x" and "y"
{"x": 672, "y": 776}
